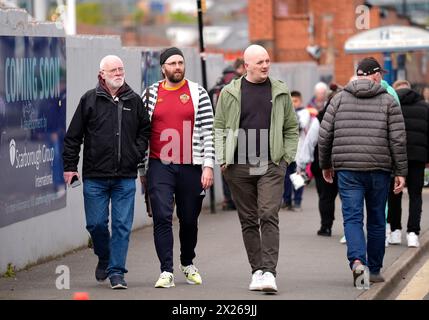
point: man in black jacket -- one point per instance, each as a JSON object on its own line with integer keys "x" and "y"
{"x": 416, "y": 116}
{"x": 114, "y": 126}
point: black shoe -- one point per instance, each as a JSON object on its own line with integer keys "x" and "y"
{"x": 297, "y": 208}
{"x": 228, "y": 206}
{"x": 289, "y": 207}
{"x": 324, "y": 232}
{"x": 117, "y": 282}
{"x": 376, "y": 277}
{"x": 101, "y": 271}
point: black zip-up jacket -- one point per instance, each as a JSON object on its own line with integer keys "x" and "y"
{"x": 416, "y": 116}
{"x": 115, "y": 134}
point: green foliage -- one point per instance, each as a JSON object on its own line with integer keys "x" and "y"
{"x": 10, "y": 271}
{"x": 89, "y": 13}
{"x": 138, "y": 16}
{"x": 181, "y": 17}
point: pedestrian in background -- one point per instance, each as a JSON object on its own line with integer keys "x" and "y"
{"x": 416, "y": 116}
{"x": 425, "y": 93}
{"x": 309, "y": 154}
{"x": 229, "y": 73}
{"x": 318, "y": 101}
{"x": 114, "y": 127}
{"x": 254, "y": 162}
{"x": 362, "y": 137}
{"x": 292, "y": 197}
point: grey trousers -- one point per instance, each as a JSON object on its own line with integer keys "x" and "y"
{"x": 258, "y": 197}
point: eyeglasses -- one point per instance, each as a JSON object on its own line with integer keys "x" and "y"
{"x": 116, "y": 70}
{"x": 172, "y": 64}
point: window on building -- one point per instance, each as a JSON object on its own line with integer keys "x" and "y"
{"x": 286, "y": 8}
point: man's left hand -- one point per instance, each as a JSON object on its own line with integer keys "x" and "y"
{"x": 328, "y": 175}
{"x": 207, "y": 178}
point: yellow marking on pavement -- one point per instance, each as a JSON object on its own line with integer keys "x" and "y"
{"x": 418, "y": 287}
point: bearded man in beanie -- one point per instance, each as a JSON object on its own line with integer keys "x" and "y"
{"x": 179, "y": 167}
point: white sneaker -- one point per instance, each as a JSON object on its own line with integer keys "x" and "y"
{"x": 192, "y": 275}
{"x": 256, "y": 283}
{"x": 343, "y": 240}
{"x": 269, "y": 283}
{"x": 413, "y": 240}
{"x": 388, "y": 232}
{"x": 396, "y": 237}
{"x": 166, "y": 280}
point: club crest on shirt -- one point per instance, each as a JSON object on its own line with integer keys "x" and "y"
{"x": 184, "y": 98}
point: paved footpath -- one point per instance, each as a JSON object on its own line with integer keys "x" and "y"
{"x": 310, "y": 266}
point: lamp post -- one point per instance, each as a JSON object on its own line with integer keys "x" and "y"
{"x": 201, "y": 5}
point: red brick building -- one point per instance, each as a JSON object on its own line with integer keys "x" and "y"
{"x": 287, "y": 27}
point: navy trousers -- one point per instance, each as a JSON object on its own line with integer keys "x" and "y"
{"x": 179, "y": 184}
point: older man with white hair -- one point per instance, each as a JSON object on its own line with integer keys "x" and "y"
{"x": 254, "y": 161}
{"x": 317, "y": 103}
{"x": 114, "y": 127}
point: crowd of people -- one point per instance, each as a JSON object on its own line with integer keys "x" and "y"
{"x": 364, "y": 141}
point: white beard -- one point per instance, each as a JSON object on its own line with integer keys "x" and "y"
{"x": 115, "y": 84}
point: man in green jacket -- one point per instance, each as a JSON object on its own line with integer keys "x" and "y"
{"x": 256, "y": 136}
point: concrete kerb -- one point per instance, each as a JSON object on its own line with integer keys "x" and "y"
{"x": 396, "y": 271}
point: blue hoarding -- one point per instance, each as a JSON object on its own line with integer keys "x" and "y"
{"x": 151, "y": 70}
{"x": 32, "y": 126}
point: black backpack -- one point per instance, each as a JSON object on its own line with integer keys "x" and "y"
{"x": 214, "y": 92}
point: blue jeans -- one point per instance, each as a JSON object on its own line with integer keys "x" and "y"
{"x": 373, "y": 187}
{"x": 97, "y": 195}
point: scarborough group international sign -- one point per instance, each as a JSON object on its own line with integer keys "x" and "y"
{"x": 32, "y": 126}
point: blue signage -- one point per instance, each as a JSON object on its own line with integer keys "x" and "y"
{"x": 157, "y": 7}
{"x": 151, "y": 70}
{"x": 32, "y": 126}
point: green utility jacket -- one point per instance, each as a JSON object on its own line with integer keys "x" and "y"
{"x": 283, "y": 130}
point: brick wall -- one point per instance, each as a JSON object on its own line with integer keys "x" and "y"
{"x": 291, "y": 39}
{"x": 261, "y": 20}
{"x": 291, "y": 7}
{"x": 286, "y": 32}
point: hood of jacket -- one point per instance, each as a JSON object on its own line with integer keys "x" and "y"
{"x": 364, "y": 88}
{"x": 408, "y": 96}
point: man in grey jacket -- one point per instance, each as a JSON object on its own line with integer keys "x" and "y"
{"x": 362, "y": 138}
